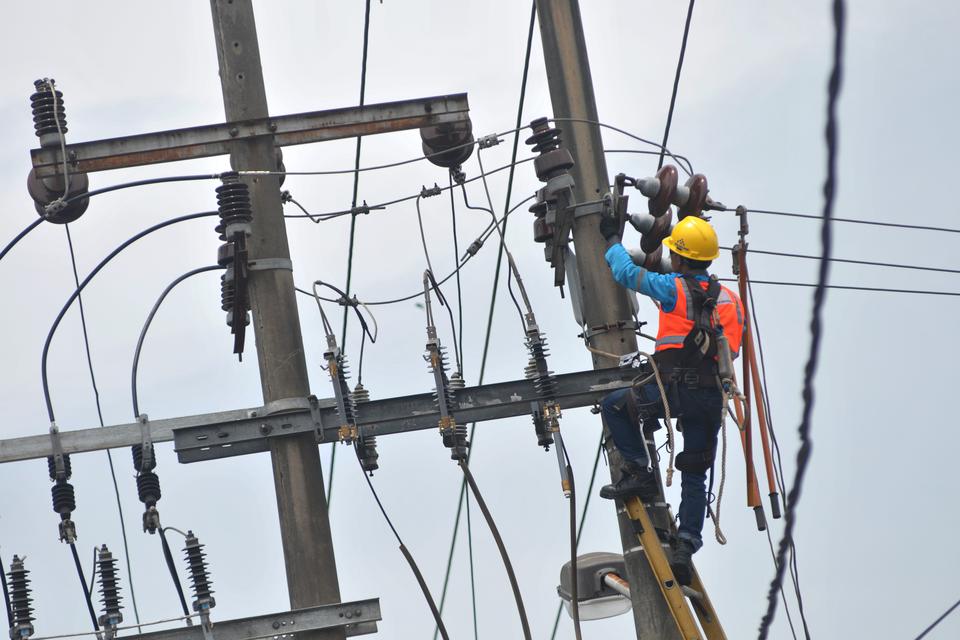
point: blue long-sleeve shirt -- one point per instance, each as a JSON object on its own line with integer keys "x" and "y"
{"x": 662, "y": 287}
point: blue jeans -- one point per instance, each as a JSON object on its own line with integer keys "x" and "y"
{"x": 700, "y": 412}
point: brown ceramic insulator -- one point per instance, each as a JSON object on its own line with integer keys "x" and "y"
{"x": 652, "y": 240}
{"x": 652, "y": 261}
{"x": 697, "y": 184}
{"x": 448, "y": 144}
{"x": 659, "y": 204}
{"x": 541, "y": 230}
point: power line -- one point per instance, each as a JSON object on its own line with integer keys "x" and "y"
{"x": 353, "y": 221}
{"x": 850, "y": 287}
{"x": 493, "y": 295}
{"x": 687, "y": 169}
{"x": 938, "y": 620}
{"x": 676, "y": 82}
{"x": 871, "y": 263}
{"x": 86, "y": 281}
{"x": 20, "y": 236}
{"x": 819, "y": 297}
{"x": 876, "y": 223}
{"x": 96, "y": 398}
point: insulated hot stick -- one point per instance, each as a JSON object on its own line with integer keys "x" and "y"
{"x": 750, "y": 359}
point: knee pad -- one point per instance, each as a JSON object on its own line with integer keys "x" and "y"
{"x": 695, "y": 461}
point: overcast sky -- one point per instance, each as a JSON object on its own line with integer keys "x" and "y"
{"x": 877, "y": 522}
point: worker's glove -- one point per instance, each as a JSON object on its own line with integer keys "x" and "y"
{"x": 610, "y": 229}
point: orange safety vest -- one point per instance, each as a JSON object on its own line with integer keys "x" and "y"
{"x": 676, "y": 324}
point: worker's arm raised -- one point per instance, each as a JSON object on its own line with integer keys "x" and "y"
{"x": 660, "y": 287}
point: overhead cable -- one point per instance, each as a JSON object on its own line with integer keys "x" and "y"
{"x": 849, "y": 261}
{"x": 493, "y": 295}
{"x": 819, "y": 298}
{"x": 676, "y": 83}
{"x": 353, "y": 223}
{"x": 146, "y": 326}
{"x": 851, "y": 287}
{"x": 938, "y": 621}
{"x": 96, "y": 398}
{"x": 876, "y": 223}
{"x": 20, "y": 236}
{"x": 688, "y": 169}
{"x": 86, "y": 281}
{"x": 409, "y": 558}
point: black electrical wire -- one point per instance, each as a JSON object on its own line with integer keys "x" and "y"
{"x": 383, "y": 205}
{"x": 511, "y": 576}
{"x": 423, "y": 237}
{"x": 574, "y": 540}
{"x": 409, "y": 558}
{"x": 141, "y": 183}
{"x": 167, "y": 555}
{"x": 83, "y": 584}
{"x": 783, "y": 596}
{"x": 20, "y": 236}
{"x": 876, "y": 223}
{"x": 938, "y": 620}
{"x": 583, "y": 520}
{"x": 146, "y": 326}
{"x": 850, "y": 287}
{"x": 687, "y": 169}
{"x": 96, "y": 397}
{"x": 676, "y": 82}
{"x": 172, "y": 568}
{"x": 453, "y": 325}
{"x": 778, "y": 464}
{"x": 646, "y": 152}
{"x": 353, "y": 228}
{"x": 513, "y": 296}
{"x": 76, "y": 293}
{"x": 473, "y": 585}
{"x": 456, "y": 258}
{"x": 819, "y": 297}
{"x": 871, "y": 263}
{"x": 496, "y": 285}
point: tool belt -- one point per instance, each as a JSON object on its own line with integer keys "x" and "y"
{"x": 672, "y": 372}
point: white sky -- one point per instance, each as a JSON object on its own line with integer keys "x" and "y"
{"x": 876, "y": 524}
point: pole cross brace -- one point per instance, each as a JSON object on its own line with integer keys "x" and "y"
{"x": 357, "y": 618}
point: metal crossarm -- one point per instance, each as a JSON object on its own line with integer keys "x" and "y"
{"x": 218, "y": 139}
{"x": 231, "y": 433}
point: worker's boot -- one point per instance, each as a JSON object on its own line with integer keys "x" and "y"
{"x": 682, "y": 564}
{"x": 635, "y": 480}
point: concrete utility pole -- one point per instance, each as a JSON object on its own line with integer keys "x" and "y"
{"x": 604, "y": 303}
{"x": 297, "y": 475}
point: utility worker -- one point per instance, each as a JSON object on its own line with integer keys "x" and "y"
{"x": 695, "y": 312}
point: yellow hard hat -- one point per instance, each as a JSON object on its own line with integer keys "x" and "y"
{"x": 694, "y": 238}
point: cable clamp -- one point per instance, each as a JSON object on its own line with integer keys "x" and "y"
{"x": 146, "y": 443}
{"x": 491, "y": 140}
{"x": 269, "y": 264}
{"x": 433, "y": 191}
{"x": 596, "y": 330}
{"x": 365, "y": 208}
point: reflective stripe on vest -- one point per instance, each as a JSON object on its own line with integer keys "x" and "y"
{"x": 675, "y": 325}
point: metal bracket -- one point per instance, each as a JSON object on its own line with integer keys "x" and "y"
{"x": 356, "y": 618}
{"x": 146, "y": 443}
{"x": 269, "y": 264}
{"x": 60, "y": 468}
{"x": 284, "y": 405}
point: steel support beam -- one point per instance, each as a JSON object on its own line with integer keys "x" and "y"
{"x": 244, "y": 431}
{"x": 219, "y": 139}
{"x": 355, "y": 618}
